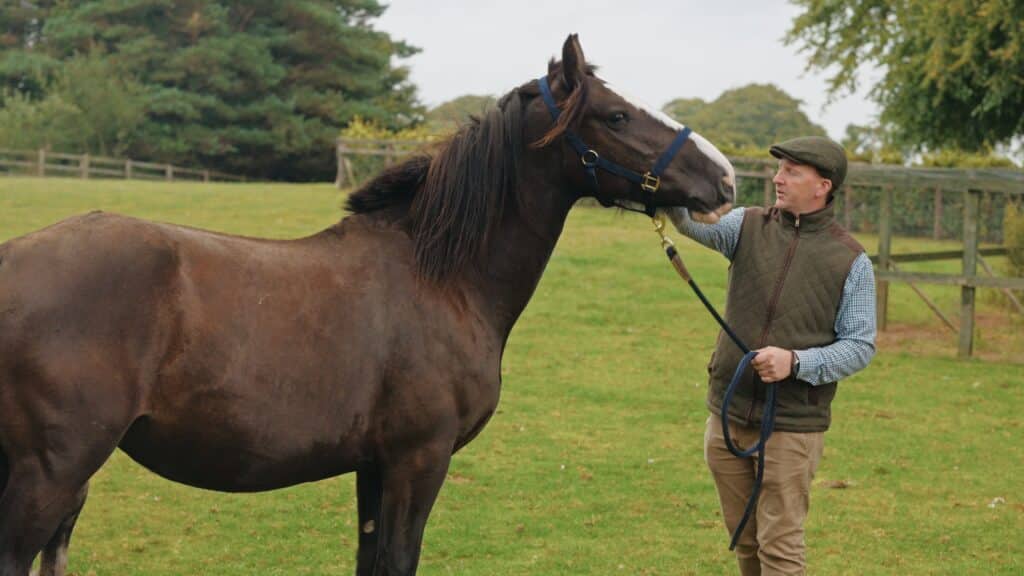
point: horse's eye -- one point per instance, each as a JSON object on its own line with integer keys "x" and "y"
{"x": 617, "y": 119}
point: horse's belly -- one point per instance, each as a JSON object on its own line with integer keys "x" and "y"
{"x": 271, "y": 406}
{"x": 221, "y": 454}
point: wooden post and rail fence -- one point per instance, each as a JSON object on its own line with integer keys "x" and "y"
{"x": 943, "y": 184}
{"x": 45, "y": 163}
{"x": 389, "y": 151}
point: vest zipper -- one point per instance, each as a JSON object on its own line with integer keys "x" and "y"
{"x": 790, "y": 251}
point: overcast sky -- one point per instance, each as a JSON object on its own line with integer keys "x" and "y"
{"x": 657, "y": 50}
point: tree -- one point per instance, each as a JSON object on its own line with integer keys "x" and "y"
{"x": 22, "y": 66}
{"x": 871, "y": 144}
{"x": 684, "y": 109}
{"x": 952, "y": 69}
{"x": 258, "y": 87}
{"x": 753, "y": 116}
{"x": 454, "y": 113}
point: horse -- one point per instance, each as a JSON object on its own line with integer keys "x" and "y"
{"x": 374, "y": 346}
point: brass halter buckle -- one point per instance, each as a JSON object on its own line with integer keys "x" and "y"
{"x": 650, "y": 183}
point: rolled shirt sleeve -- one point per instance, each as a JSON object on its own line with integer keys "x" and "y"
{"x": 722, "y": 236}
{"x": 854, "y": 346}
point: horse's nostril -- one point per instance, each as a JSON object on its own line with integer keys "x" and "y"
{"x": 727, "y": 191}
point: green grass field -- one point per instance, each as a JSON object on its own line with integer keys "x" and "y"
{"x": 593, "y": 463}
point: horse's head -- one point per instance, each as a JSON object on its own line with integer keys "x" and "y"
{"x": 623, "y": 152}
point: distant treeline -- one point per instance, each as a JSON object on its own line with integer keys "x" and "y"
{"x": 263, "y": 89}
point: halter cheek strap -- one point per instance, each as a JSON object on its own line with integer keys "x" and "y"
{"x": 649, "y": 181}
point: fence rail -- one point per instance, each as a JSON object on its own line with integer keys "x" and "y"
{"x": 358, "y": 158}
{"x": 45, "y": 163}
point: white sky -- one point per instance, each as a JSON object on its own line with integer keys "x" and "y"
{"x": 657, "y": 50}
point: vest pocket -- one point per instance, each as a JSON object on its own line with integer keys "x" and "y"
{"x": 793, "y": 395}
{"x": 821, "y": 395}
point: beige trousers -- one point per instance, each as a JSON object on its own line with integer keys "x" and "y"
{"x": 773, "y": 541}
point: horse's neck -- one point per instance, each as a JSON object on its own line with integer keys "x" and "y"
{"x": 520, "y": 249}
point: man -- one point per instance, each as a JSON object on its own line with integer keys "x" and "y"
{"x": 802, "y": 294}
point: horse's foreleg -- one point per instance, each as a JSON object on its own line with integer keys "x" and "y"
{"x": 369, "y": 490}
{"x": 32, "y": 509}
{"x": 55, "y": 555}
{"x": 411, "y": 485}
{"x": 46, "y": 488}
{"x": 4, "y": 470}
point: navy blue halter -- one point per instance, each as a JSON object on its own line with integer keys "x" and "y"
{"x": 648, "y": 181}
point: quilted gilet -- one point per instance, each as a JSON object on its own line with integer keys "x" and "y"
{"x": 785, "y": 284}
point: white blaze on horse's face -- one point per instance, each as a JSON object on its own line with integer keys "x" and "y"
{"x": 706, "y": 147}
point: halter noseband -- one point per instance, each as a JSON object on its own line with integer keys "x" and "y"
{"x": 648, "y": 181}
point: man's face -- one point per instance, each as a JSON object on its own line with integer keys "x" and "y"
{"x": 799, "y": 188}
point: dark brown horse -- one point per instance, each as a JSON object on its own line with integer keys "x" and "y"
{"x": 241, "y": 364}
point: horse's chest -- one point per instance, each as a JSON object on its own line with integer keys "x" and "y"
{"x": 476, "y": 419}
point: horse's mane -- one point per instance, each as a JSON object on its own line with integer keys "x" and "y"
{"x": 455, "y": 195}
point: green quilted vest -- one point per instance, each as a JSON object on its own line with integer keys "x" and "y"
{"x": 785, "y": 283}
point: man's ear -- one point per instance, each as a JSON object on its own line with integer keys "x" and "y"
{"x": 826, "y": 187}
{"x": 574, "y": 66}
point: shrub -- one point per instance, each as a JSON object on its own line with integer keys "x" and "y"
{"x": 88, "y": 107}
{"x": 365, "y": 166}
{"x": 1013, "y": 241}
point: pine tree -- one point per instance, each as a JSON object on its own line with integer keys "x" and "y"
{"x": 23, "y": 66}
{"x": 257, "y": 87}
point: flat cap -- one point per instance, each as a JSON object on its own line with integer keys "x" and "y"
{"x": 824, "y": 154}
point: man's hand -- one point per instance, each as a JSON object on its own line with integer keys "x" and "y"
{"x": 773, "y": 364}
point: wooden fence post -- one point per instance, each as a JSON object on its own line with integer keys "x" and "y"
{"x": 937, "y": 225}
{"x": 206, "y": 175}
{"x": 83, "y": 166}
{"x": 884, "y": 249}
{"x": 349, "y": 173}
{"x": 848, "y": 208}
{"x": 41, "y": 166}
{"x": 339, "y": 178}
{"x": 169, "y": 172}
{"x": 128, "y": 169}
{"x": 972, "y": 204}
{"x": 769, "y": 187}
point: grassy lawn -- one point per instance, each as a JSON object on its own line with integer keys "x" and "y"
{"x": 593, "y": 463}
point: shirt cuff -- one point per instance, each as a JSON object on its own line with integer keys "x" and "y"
{"x": 808, "y": 370}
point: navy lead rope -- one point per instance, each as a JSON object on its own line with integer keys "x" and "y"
{"x": 648, "y": 181}
{"x": 767, "y": 418}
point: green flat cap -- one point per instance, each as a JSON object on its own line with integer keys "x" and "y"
{"x": 826, "y": 155}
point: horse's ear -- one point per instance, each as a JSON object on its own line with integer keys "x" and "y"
{"x": 574, "y": 66}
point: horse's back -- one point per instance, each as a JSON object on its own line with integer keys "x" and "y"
{"x": 92, "y": 276}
